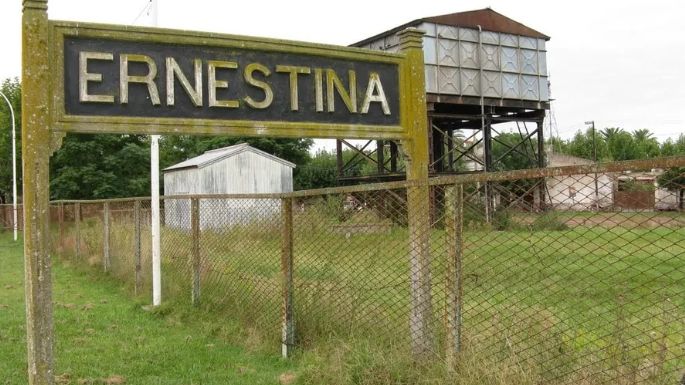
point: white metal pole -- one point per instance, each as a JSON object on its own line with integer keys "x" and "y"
{"x": 14, "y": 166}
{"x": 156, "y": 254}
{"x": 154, "y": 185}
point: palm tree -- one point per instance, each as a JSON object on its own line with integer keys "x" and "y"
{"x": 646, "y": 143}
{"x": 643, "y": 135}
{"x": 610, "y": 132}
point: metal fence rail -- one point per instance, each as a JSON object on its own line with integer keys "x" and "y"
{"x": 563, "y": 276}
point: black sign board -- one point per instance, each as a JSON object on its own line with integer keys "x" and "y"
{"x": 140, "y": 79}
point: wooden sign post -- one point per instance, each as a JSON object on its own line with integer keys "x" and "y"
{"x": 92, "y": 78}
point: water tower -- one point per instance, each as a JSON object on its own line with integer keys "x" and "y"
{"x": 485, "y": 74}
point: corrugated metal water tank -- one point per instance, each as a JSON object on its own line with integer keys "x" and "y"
{"x": 514, "y": 66}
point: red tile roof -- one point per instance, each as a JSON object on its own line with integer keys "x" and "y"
{"x": 487, "y": 18}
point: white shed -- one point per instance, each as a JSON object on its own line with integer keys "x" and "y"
{"x": 238, "y": 169}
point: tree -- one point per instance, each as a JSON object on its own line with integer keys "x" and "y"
{"x": 100, "y": 166}
{"x": 177, "y": 148}
{"x": 320, "y": 172}
{"x": 12, "y": 89}
{"x": 608, "y": 133}
{"x": 584, "y": 144}
{"x": 507, "y": 154}
{"x": 611, "y": 143}
{"x": 672, "y": 148}
{"x": 646, "y": 144}
{"x": 620, "y": 144}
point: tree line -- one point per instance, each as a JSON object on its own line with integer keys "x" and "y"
{"x": 89, "y": 166}
{"x": 616, "y": 144}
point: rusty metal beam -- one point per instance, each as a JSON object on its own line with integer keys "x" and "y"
{"x": 467, "y": 100}
{"x": 547, "y": 172}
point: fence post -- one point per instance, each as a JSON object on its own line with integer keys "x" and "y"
{"x": 454, "y": 222}
{"x": 418, "y": 196}
{"x": 77, "y": 236}
{"x": 287, "y": 327}
{"x": 136, "y": 252}
{"x": 60, "y": 219}
{"x": 195, "y": 255}
{"x": 105, "y": 237}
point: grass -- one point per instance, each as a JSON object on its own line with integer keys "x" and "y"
{"x": 105, "y": 336}
{"x": 582, "y": 299}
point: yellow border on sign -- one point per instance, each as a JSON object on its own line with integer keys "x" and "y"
{"x": 61, "y": 121}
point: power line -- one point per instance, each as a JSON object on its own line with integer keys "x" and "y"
{"x": 146, "y": 9}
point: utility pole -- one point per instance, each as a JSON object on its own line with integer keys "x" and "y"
{"x": 594, "y": 158}
{"x": 14, "y": 166}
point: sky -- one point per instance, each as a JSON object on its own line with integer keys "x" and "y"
{"x": 618, "y": 63}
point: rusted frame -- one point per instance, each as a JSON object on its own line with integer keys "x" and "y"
{"x": 547, "y": 172}
{"x": 515, "y": 147}
{"x": 468, "y": 152}
{"x": 357, "y": 151}
{"x": 383, "y": 165}
{"x": 535, "y": 173}
{"x": 387, "y": 165}
{"x": 522, "y": 193}
{"x": 537, "y": 155}
{"x": 452, "y": 149}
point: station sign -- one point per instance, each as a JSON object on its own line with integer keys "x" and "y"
{"x": 109, "y": 78}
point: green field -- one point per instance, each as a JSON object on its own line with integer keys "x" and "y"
{"x": 104, "y": 336}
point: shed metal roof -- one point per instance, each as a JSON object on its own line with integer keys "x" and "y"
{"x": 487, "y": 18}
{"x": 219, "y": 154}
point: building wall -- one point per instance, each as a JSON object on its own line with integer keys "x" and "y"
{"x": 243, "y": 173}
{"x": 666, "y": 200}
{"x": 577, "y": 192}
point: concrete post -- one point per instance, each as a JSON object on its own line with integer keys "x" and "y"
{"x": 454, "y": 222}
{"x": 106, "y": 261}
{"x": 414, "y": 119}
{"x": 77, "y": 229}
{"x": 288, "y": 325}
{"x": 136, "y": 251}
{"x": 35, "y": 133}
{"x": 61, "y": 227}
{"x": 195, "y": 254}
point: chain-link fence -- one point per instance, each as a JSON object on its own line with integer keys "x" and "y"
{"x": 571, "y": 275}
{"x": 7, "y": 216}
